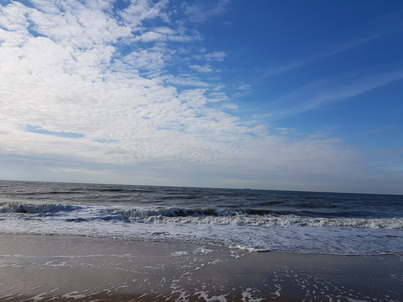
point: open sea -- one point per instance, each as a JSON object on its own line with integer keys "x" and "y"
{"x": 255, "y": 220}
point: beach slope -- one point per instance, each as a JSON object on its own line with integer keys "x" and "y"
{"x": 64, "y": 268}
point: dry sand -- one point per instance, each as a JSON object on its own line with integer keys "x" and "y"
{"x": 59, "y": 268}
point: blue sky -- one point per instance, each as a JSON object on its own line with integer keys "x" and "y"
{"x": 289, "y": 95}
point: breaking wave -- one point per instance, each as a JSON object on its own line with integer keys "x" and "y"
{"x": 179, "y": 215}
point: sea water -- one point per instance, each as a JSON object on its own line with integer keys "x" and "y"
{"x": 255, "y": 220}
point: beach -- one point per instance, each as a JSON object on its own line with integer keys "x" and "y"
{"x": 74, "y": 268}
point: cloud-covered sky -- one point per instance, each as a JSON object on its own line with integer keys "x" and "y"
{"x": 290, "y": 95}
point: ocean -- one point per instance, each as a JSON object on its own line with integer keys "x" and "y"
{"x": 254, "y": 220}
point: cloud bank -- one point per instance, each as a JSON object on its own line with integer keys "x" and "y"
{"x": 96, "y": 91}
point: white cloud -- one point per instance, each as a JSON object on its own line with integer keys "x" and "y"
{"x": 200, "y": 11}
{"x": 216, "y": 56}
{"x": 79, "y": 27}
{"x": 163, "y": 34}
{"x": 185, "y": 80}
{"x": 79, "y": 171}
{"x": 244, "y": 87}
{"x": 149, "y": 60}
{"x": 141, "y": 10}
{"x": 200, "y": 68}
{"x": 217, "y": 96}
{"x": 283, "y": 131}
{"x": 230, "y": 106}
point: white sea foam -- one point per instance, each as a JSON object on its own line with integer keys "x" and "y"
{"x": 207, "y": 298}
{"x": 75, "y": 295}
{"x": 179, "y": 253}
{"x": 284, "y": 234}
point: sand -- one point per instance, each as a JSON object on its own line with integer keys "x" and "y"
{"x": 61, "y": 268}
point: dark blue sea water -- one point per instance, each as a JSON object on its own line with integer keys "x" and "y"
{"x": 257, "y": 220}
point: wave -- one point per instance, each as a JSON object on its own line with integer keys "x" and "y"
{"x": 270, "y": 202}
{"x": 271, "y": 221}
{"x": 24, "y": 208}
{"x": 178, "y": 215}
{"x": 122, "y": 190}
{"x": 50, "y": 208}
{"x": 178, "y": 197}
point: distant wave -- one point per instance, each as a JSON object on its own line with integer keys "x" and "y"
{"x": 122, "y": 190}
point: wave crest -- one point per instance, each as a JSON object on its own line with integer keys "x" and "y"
{"x": 197, "y": 216}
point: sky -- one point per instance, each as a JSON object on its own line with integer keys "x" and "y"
{"x": 282, "y": 95}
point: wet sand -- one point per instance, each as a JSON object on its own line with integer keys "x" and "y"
{"x": 60, "y": 268}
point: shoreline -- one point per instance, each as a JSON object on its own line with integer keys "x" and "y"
{"x": 76, "y": 268}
